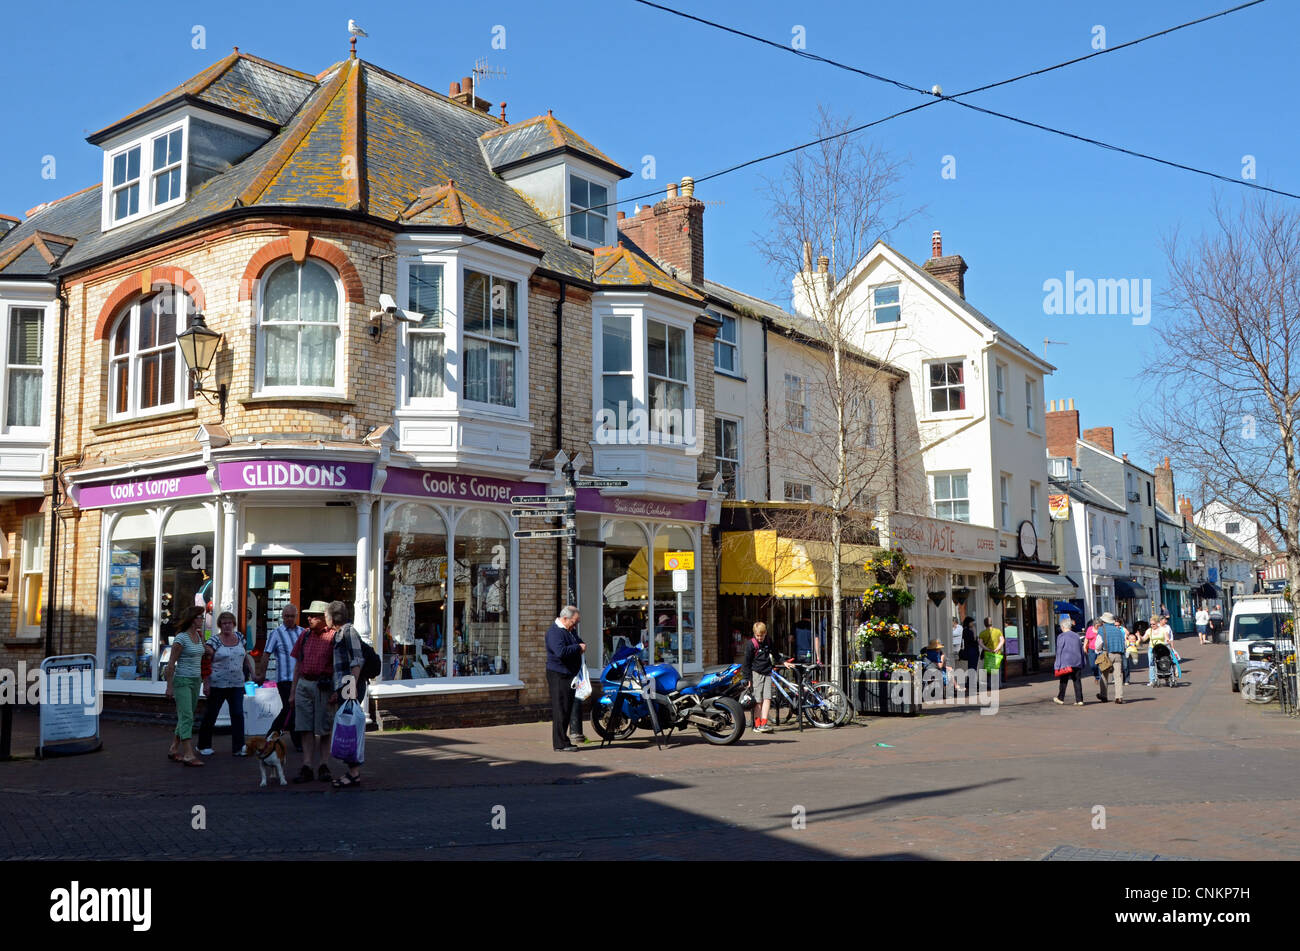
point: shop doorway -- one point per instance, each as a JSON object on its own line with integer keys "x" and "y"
{"x": 268, "y": 584}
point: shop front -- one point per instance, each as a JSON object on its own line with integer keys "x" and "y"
{"x": 1133, "y": 601}
{"x": 1029, "y": 616}
{"x": 952, "y": 563}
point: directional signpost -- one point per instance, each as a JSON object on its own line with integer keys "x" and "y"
{"x": 601, "y": 483}
{"x": 546, "y": 533}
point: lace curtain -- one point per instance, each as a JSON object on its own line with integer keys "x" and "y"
{"x": 300, "y": 326}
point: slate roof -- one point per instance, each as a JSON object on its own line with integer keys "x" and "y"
{"x": 539, "y": 136}
{"x": 357, "y": 140}
{"x": 623, "y": 267}
{"x": 1089, "y": 494}
{"x": 253, "y": 87}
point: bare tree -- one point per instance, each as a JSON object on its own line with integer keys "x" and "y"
{"x": 1227, "y": 367}
{"x": 833, "y": 202}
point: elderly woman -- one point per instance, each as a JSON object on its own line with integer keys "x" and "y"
{"x": 348, "y": 683}
{"x": 184, "y": 677}
{"x": 1069, "y": 661}
{"x": 231, "y": 666}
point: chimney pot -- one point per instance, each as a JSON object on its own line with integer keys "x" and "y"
{"x": 688, "y": 187}
{"x": 1071, "y": 402}
{"x": 936, "y": 244}
{"x": 672, "y": 189}
{"x": 1051, "y": 406}
{"x": 503, "y": 112}
{"x": 823, "y": 263}
{"x": 453, "y": 89}
{"x": 621, "y": 215}
{"x": 467, "y": 84}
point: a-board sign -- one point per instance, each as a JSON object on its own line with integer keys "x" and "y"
{"x": 70, "y": 703}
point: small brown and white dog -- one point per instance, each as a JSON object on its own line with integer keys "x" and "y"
{"x": 270, "y": 751}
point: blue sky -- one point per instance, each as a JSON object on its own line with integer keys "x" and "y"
{"x": 1024, "y": 207}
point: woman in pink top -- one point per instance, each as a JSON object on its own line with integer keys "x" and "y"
{"x": 1090, "y": 645}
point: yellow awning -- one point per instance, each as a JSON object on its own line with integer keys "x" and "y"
{"x": 763, "y": 563}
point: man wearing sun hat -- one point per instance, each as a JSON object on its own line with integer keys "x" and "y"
{"x": 313, "y": 683}
{"x": 1112, "y": 636}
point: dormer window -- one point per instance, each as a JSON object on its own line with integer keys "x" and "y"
{"x": 588, "y": 211}
{"x": 145, "y": 175}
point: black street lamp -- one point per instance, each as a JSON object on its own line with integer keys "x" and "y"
{"x": 1164, "y": 551}
{"x": 199, "y": 345}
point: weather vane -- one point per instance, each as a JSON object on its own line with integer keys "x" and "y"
{"x": 356, "y": 31}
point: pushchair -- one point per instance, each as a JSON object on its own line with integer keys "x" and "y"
{"x": 1164, "y": 663}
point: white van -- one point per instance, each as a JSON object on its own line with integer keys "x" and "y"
{"x": 1255, "y": 617}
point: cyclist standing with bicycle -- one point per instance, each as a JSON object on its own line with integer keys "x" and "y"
{"x": 760, "y": 658}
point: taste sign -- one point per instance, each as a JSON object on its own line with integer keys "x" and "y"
{"x": 922, "y": 537}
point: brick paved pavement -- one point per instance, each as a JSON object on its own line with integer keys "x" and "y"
{"x": 1186, "y": 773}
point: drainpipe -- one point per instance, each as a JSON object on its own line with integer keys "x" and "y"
{"x": 61, "y": 292}
{"x": 560, "y": 589}
{"x": 767, "y": 439}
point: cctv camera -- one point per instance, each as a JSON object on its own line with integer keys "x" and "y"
{"x": 387, "y": 304}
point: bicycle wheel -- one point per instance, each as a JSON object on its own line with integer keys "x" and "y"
{"x": 836, "y": 701}
{"x": 817, "y": 710}
{"x": 1257, "y": 686}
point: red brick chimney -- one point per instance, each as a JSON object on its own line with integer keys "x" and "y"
{"x": 1103, "y": 437}
{"x": 1164, "y": 474}
{"x": 951, "y": 269}
{"x": 1062, "y": 429}
{"x": 672, "y": 232}
{"x": 1185, "y": 509}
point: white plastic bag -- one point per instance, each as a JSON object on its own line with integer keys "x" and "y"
{"x": 582, "y": 683}
{"x": 348, "y": 741}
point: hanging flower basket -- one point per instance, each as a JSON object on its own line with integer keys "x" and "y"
{"x": 937, "y": 597}
{"x": 995, "y": 594}
{"x": 888, "y": 566}
{"x": 960, "y": 595}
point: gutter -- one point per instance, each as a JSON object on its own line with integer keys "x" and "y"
{"x": 767, "y": 438}
{"x": 561, "y": 590}
{"x": 61, "y": 293}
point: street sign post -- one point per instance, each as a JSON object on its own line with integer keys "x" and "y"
{"x": 601, "y": 483}
{"x": 538, "y": 499}
{"x": 542, "y": 511}
{"x": 680, "y": 578}
{"x": 679, "y": 560}
{"x": 546, "y": 533}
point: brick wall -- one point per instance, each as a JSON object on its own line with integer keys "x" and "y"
{"x": 671, "y": 232}
{"x": 1062, "y": 432}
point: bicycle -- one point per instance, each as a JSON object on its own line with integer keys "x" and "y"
{"x": 822, "y": 703}
{"x": 1263, "y": 683}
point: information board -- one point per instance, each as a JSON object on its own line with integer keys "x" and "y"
{"x": 70, "y": 703}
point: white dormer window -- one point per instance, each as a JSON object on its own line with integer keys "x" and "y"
{"x": 144, "y": 175}
{"x": 588, "y": 210}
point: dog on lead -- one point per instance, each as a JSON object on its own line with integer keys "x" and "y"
{"x": 270, "y": 752}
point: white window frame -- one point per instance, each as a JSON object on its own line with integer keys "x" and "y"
{"x": 719, "y": 343}
{"x": 1004, "y": 502}
{"x": 1030, "y": 421}
{"x": 145, "y": 181}
{"x": 611, "y": 200}
{"x": 797, "y": 382}
{"x": 521, "y": 369}
{"x": 182, "y": 398}
{"x": 688, "y": 359}
{"x": 259, "y": 312}
{"x": 157, "y": 171}
{"x": 404, "y": 398}
{"x": 875, "y": 320}
{"x": 719, "y": 421}
{"x": 1000, "y": 374}
{"x": 951, "y": 499}
{"x": 1035, "y": 495}
{"x": 930, "y": 389}
{"x": 7, "y": 309}
{"x": 32, "y": 557}
{"x": 805, "y": 491}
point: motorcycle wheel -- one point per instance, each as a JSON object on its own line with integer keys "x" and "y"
{"x": 731, "y": 731}
{"x": 1256, "y": 688}
{"x": 600, "y": 717}
{"x": 833, "y": 702}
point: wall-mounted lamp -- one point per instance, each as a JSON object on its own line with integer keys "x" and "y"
{"x": 199, "y": 345}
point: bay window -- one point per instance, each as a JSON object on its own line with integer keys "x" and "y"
{"x": 426, "y": 369}
{"x": 299, "y": 335}
{"x": 24, "y": 368}
{"x": 617, "y": 380}
{"x": 490, "y": 339}
{"x": 666, "y": 370}
{"x": 645, "y": 380}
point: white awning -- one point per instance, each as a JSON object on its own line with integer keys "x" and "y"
{"x": 1031, "y": 584}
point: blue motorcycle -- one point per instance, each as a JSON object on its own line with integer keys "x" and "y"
{"x": 657, "y": 696}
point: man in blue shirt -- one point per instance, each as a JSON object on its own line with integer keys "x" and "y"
{"x": 564, "y": 655}
{"x": 279, "y": 643}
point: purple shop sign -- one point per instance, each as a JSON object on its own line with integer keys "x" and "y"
{"x": 590, "y": 500}
{"x": 294, "y": 474}
{"x": 453, "y": 485}
{"x": 152, "y": 488}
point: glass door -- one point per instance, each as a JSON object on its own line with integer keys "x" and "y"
{"x": 267, "y": 587}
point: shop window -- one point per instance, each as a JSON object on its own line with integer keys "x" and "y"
{"x": 29, "y": 622}
{"x": 415, "y": 591}
{"x": 131, "y": 564}
{"x": 426, "y": 358}
{"x": 186, "y": 570}
{"x": 146, "y": 371}
{"x": 24, "y": 368}
{"x": 490, "y": 339}
{"x": 674, "y": 538}
{"x": 626, "y": 590}
{"x": 482, "y": 598}
{"x": 299, "y": 336}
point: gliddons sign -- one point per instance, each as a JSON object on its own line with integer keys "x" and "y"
{"x": 353, "y": 476}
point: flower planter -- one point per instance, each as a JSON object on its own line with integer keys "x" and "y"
{"x": 874, "y": 693}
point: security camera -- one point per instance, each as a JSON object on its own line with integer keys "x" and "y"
{"x": 388, "y": 306}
